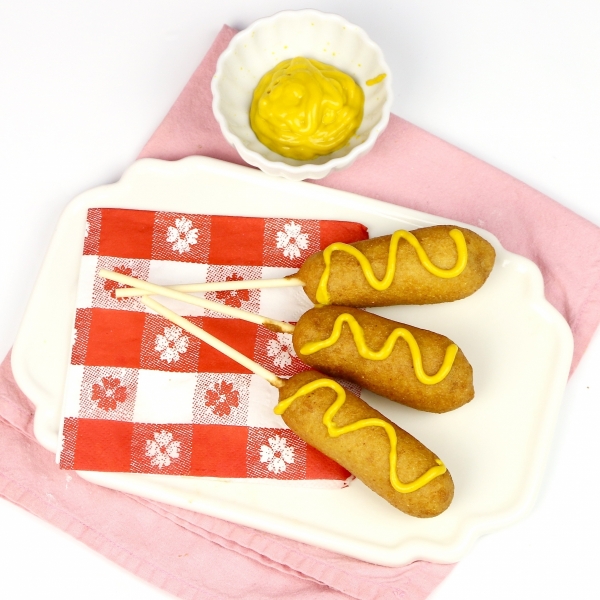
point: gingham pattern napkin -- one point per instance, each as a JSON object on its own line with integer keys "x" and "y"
{"x": 144, "y": 396}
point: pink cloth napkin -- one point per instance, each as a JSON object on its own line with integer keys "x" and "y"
{"x": 195, "y": 556}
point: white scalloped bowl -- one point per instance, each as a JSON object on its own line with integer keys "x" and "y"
{"x": 325, "y": 37}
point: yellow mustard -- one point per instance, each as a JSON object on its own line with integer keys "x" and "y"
{"x": 366, "y": 352}
{"x": 323, "y": 296}
{"x": 304, "y": 108}
{"x": 376, "y": 80}
{"x": 334, "y": 431}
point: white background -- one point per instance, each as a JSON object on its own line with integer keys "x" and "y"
{"x": 515, "y": 82}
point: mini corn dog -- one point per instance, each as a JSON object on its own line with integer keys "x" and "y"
{"x": 426, "y": 266}
{"x": 387, "y": 459}
{"x": 409, "y": 476}
{"x": 412, "y": 366}
{"x": 415, "y": 367}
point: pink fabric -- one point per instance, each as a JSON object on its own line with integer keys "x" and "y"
{"x": 194, "y": 556}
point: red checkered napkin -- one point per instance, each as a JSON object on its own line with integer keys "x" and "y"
{"x": 144, "y": 396}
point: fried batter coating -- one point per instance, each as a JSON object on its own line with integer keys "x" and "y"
{"x": 412, "y": 283}
{"x": 366, "y": 452}
{"x": 393, "y": 377}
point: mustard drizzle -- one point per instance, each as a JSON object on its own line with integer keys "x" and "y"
{"x": 334, "y": 431}
{"x": 377, "y": 79}
{"x": 323, "y": 296}
{"x": 384, "y": 352}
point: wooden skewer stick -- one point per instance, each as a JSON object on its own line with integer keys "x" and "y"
{"x": 217, "y": 286}
{"x": 215, "y": 306}
{"x": 212, "y": 341}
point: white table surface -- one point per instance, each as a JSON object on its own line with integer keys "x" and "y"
{"x": 514, "y": 82}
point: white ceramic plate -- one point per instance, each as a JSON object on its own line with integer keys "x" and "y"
{"x": 496, "y": 447}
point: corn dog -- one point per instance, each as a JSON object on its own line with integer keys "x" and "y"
{"x": 426, "y": 266}
{"x": 388, "y": 460}
{"x": 412, "y": 366}
{"x": 415, "y": 367}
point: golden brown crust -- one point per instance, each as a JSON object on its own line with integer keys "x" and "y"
{"x": 412, "y": 283}
{"x": 394, "y": 377}
{"x": 365, "y": 453}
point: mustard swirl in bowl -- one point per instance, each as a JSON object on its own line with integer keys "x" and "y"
{"x": 304, "y": 108}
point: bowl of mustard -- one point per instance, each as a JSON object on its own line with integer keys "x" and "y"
{"x": 302, "y": 93}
